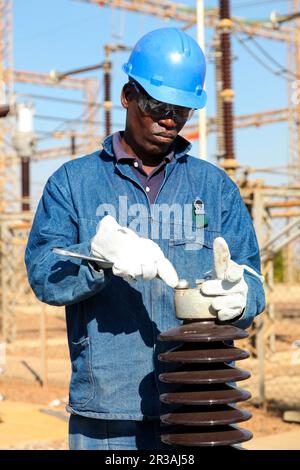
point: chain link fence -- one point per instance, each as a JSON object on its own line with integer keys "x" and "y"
{"x": 32, "y": 334}
{"x": 275, "y": 362}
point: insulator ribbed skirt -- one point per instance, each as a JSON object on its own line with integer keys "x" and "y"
{"x": 204, "y": 400}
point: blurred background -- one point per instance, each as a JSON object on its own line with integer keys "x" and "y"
{"x": 60, "y": 83}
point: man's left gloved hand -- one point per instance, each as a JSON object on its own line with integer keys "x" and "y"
{"x": 228, "y": 285}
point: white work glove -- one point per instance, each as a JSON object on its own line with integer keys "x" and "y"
{"x": 228, "y": 285}
{"x": 132, "y": 256}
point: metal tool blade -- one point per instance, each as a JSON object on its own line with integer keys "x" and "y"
{"x": 101, "y": 262}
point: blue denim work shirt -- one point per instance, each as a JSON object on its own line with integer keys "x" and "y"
{"x": 113, "y": 325}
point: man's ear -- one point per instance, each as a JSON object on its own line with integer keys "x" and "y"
{"x": 125, "y": 95}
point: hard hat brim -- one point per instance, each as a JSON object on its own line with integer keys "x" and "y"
{"x": 171, "y": 95}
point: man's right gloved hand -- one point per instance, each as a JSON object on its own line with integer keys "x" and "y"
{"x": 132, "y": 256}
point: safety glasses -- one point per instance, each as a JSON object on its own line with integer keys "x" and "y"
{"x": 159, "y": 110}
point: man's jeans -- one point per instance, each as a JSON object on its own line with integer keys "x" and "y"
{"x": 105, "y": 434}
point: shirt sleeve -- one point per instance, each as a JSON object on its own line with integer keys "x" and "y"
{"x": 56, "y": 280}
{"x": 238, "y": 231}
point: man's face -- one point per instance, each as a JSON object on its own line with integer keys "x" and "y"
{"x": 152, "y": 131}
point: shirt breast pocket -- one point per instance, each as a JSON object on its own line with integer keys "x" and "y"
{"x": 192, "y": 257}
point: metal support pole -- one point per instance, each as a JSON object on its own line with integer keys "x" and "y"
{"x": 43, "y": 338}
{"x": 258, "y": 220}
{"x": 219, "y": 101}
{"x": 297, "y": 73}
{"x": 202, "y": 125}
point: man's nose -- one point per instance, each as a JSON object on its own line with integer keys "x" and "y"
{"x": 168, "y": 121}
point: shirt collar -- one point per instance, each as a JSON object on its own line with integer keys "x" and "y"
{"x": 181, "y": 146}
{"x": 121, "y": 155}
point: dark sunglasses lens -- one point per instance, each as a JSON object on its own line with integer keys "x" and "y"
{"x": 158, "y": 110}
{"x": 164, "y": 113}
{"x": 153, "y": 109}
{"x": 184, "y": 113}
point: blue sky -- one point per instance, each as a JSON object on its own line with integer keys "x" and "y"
{"x": 67, "y": 34}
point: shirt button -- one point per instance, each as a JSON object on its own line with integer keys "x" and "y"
{"x": 147, "y": 189}
{"x": 136, "y": 164}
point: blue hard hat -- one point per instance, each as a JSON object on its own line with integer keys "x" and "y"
{"x": 170, "y": 66}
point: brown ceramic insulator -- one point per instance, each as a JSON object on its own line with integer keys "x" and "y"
{"x": 203, "y": 411}
{"x": 206, "y": 417}
{"x": 107, "y": 99}
{"x": 203, "y": 331}
{"x": 185, "y": 354}
{"x": 218, "y": 396}
{"x": 206, "y": 437}
{"x": 73, "y": 145}
{"x": 225, "y": 41}
{"x": 224, "y": 9}
{"x": 208, "y": 376}
{"x": 25, "y": 171}
{"x": 228, "y": 129}
{"x": 226, "y": 65}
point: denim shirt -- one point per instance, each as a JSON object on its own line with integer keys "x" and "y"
{"x": 112, "y": 324}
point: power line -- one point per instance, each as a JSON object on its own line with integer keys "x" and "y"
{"x": 271, "y": 58}
{"x": 260, "y": 61}
{"x": 283, "y": 71}
{"x": 64, "y": 100}
{"x": 66, "y": 120}
{"x": 61, "y": 27}
{"x": 254, "y": 4}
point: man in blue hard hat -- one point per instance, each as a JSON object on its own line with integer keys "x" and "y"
{"x": 157, "y": 214}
